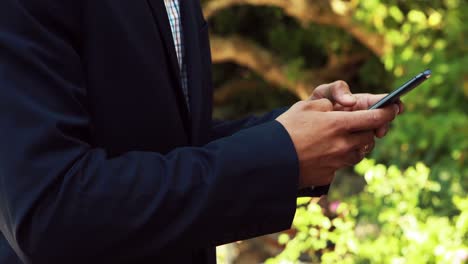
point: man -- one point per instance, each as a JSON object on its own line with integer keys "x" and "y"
{"x": 108, "y": 151}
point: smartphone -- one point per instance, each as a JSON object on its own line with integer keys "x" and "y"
{"x": 408, "y": 86}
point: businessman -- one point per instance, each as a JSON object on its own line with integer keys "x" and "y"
{"x": 108, "y": 150}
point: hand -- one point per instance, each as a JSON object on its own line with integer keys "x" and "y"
{"x": 327, "y": 140}
{"x": 343, "y": 100}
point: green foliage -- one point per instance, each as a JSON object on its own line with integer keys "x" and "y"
{"x": 424, "y": 34}
{"x": 427, "y": 34}
{"x": 408, "y": 212}
{"x": 386, "y": 223}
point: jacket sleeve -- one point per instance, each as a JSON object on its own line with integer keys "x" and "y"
{"x": 226, "y": 128}
{"x": 63, "y": 201}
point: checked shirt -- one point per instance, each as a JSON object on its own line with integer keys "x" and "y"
{"x": 173, "y": 12}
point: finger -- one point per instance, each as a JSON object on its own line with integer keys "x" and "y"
{"x": 353, "y": 158}
{"x": 368, "y": 148}
{"x": 337, "y": 92}
{"x": 382, "y": 131}
{"x": 369, "y": 100}
{"x": 401, "y": 106}
{"x": 341, "y": 94}
{"x": 349, "y": 144}
{"x": 357, "y": 140}
{"x": 364, "y": 102}
{"x": 365, "y": 120}
{"x": 321, "y": 92}
{"x": 358, "y": 154}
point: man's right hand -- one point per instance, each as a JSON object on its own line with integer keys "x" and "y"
{"x": 327, "y": 140}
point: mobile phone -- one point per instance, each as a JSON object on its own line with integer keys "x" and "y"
{"x": 408, "y": 86}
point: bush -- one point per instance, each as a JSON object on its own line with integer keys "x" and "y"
{"x": 386, "y": 223}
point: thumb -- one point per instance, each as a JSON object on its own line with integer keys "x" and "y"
{"x": 341, "y": 94}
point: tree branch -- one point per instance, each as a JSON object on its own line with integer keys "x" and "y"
{"x": 310, "y": 11}
{"x": 250, "y": 55}
{"x": 259, "y": 60}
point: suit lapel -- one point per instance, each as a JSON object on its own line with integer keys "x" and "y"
{"x": 160, "y": 14}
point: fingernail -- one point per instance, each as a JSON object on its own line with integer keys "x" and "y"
{"x": 397, "y": 109}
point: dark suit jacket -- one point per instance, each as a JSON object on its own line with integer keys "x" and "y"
{"x": 100, "y": 159}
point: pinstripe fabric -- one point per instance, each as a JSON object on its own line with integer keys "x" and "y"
{"x": 173, "y": 12}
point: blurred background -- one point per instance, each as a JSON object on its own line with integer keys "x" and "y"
{"x": 407, "y": 202}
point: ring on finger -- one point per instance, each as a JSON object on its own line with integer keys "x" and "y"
{"x": 365, "y": 149}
